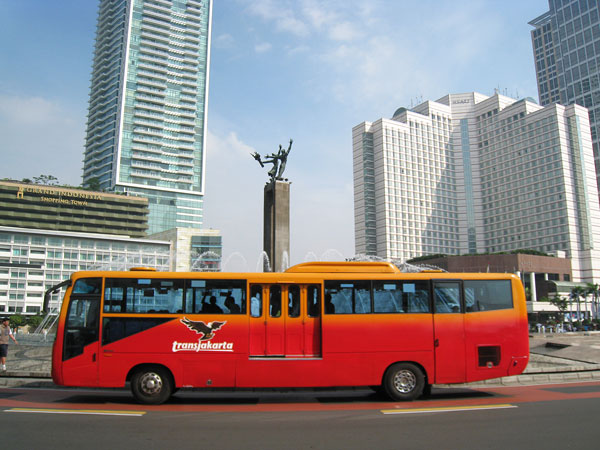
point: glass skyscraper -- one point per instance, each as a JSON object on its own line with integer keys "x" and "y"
{"x": 146, "y": 131}
{"x": 566, "y": 45}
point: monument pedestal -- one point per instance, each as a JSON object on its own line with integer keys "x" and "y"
{"x": 276, "y": 238}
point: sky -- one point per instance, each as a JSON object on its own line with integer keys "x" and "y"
{"x": 307, "y": 70}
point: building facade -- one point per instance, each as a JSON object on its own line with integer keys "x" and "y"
{"x": 470, "y": 174}
{"x": 33, "y": 260}
{"x": 194, "y": 250}
{"x": 49, "y": 232}
{"x": 26, "y": 205}
{"x": 146, "y": 130}
{"x": 566, "y": 46}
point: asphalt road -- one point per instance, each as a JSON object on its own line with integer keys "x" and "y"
{"x": 548, "y": 416}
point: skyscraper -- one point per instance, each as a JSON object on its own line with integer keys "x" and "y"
{"x": 146, "y": 130}
{"x": 474, "y": 174}
{"x": 566, "y": 45}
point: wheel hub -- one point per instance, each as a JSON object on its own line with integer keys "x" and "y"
{"x": 151, "y": 383}
{"x": 405, "y": 381}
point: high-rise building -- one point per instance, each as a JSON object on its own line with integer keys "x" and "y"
{"x": 566, "y": 45}
{"x": 146, "y": 130}
{"x": 472, "y": 174}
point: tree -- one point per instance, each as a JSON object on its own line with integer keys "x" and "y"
{"x": 93, "y": 184}
{"x": 576, "y": 294}
{"x": 34, "y": 321}
{"x": 17, "y": 320}
{"x": 594, "y": 290}
{"x": 560, "y": 303}
{"x": 49, "y": 180}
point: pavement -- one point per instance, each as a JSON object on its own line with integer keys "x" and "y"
{"x": 554, "y": 358}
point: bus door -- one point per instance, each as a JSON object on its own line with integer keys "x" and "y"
{"x": 258, "y": 321}
{"x": 312, "y": 320}
{"x": 81, "y": 341}
{"x": 449, "y": 333}
{"x": 275, "y": 321}
{"x": 285, "y": 320}
{"x": 267, "y": 320}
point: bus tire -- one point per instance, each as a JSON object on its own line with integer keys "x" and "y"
{"x": 403, "y": 382}
{"x": 152, "y": 385}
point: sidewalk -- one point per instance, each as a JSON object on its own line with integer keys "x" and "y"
{"x": 555, "y": 358}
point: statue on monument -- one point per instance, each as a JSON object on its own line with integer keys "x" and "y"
{"x": 278, "y": 160}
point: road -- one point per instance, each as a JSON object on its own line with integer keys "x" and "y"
{"x": 545, "y": 416}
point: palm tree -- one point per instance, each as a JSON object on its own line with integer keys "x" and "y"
{"x": 576, "y": 293}
{"x": 594, "y": 290}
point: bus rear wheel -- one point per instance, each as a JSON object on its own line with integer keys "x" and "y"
{"x": 151, "y": 385}
{"x": 403, "y": 382}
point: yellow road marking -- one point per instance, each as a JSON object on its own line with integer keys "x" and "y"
{"x": 78, "y": 411}
{"x": 446, "y": 409}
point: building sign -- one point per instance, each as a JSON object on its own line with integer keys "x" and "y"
{"x": 58, "y": 196}
{"x": 459, "y": 102}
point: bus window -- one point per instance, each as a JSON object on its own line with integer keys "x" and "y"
{"x": 400, "y": 297}
{"x": 141, "y": 295}
{"x": 275, "y": 301}
{"x": 216, "y": 297}
{"x": 81, "y": 327}
{"x": 87, "y": 286}
{"x": 487, "y": 295}
{"x": 447, "y": 297}
{"x": 348, "y": 297}
{"x": 293, "y": 301}
{"x": 387, "y": 297}
{"x": 313, "y": 301}
{"x": 256, "y": 300}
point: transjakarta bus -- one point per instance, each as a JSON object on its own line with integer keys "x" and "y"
{"x": 314, "y": 325}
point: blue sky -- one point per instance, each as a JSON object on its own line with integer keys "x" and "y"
{"x": 303, "y": 69}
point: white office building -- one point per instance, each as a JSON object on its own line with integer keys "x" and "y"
{"x": 470, "y": 174}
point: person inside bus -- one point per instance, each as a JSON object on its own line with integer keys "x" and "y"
{"x": 329, "y": 306}
{"x": 212, "y": 307}
{"x": 232, "y": 306}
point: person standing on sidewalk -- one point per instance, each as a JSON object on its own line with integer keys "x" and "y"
{"x": 5, "y": 334}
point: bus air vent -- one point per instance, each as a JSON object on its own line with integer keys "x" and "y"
{"x": 489, "y": 356}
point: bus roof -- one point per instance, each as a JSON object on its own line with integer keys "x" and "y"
{"x": 344, "y": 267}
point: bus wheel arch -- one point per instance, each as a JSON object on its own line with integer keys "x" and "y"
{"x": 151, "y": 384}
{"x": 404, "y": 381}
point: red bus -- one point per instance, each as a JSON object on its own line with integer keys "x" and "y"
{"x": 314, "y": 325}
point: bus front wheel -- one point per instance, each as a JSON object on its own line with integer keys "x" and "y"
{"x": 403, "y": 382}
{"x": 151, "y": 385}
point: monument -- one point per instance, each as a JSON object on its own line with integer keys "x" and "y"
{"x": 276, "y": 226}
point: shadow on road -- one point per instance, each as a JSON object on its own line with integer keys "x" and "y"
{"x": 241, "y": 397}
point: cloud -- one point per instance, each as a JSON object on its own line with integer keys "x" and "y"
{"x": 223, "y": 41}
{"x": 263, "y": 47}
{"x": 283, "y": 16}
{"x": 344, "y": 31}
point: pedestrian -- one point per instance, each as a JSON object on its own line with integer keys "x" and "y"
{"x": 5, "y": 334}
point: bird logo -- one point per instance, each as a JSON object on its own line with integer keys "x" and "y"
{"x": 207, "y": 330}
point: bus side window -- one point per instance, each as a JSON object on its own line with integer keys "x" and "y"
{"x": 256, "y": 301}
{"x": 313, "y": 301}
{"x": 294, "y": 301}
{"x": 387, "y": 297}
{"x": 275, "y": 301}
{"x": 488, "y": 295}
{"x": 446, "y": 296}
